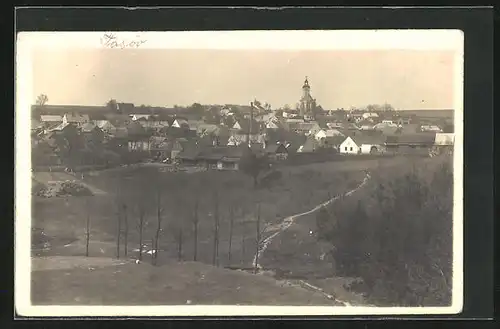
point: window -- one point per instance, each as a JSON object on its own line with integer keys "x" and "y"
{"x": 350, "y": 149}
{"x": 345, "y": 148}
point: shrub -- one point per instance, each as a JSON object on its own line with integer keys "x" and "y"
{"x": 398, "y": 239}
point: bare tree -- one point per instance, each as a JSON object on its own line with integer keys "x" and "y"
{"x": 140, "y": 227}
{"x": 179, "y": 243}
{"x": 215, "y": 260}
{"x": 125, "y": 221}
{"x": 87, "y": 231}
{"x": 159, "y": 211}
{"x": 231, "y": 224}
{"x": 256, "y": 262}
{"x": 118, "y": 231}
{"x": 42, "y": 99}
{"x": 195, "y": 227}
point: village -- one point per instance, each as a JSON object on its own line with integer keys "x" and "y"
{"x": 245, "y": 195}
{"x": 213, "y": 136}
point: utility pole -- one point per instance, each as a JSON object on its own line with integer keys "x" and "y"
{"x": 250, "y": 125}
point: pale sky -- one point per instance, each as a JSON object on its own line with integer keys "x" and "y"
{"x": 407, "y": 79}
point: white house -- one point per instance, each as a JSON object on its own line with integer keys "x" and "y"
{"x": 136, "y": 117}
{"x": 105, "y": 126}
{"x": 324, "y": 133}
{"x": 272, "y": 125}
{"x": 368, "y": 115}
{"x": 178, "y": 123}
{"x": 51, "y": 118}
{"x": 362, "y": 144}
{"x": 444, "y": 139}
{"x": 432, "y": 128}
{"x": 349, "y": 146}
{"x": 388, "y": 122}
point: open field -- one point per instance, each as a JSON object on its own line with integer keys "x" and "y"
{"x": 296, "y": 251}
{"x": 171, "y": 284}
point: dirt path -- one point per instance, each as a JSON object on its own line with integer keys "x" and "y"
{"x": 289, "y": 221}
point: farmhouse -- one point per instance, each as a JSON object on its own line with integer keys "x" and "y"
{"x": 180, "y": 123}
{"x": 75, "y": 118}
{"x": 362, "y": 144}
{"x": 276, "y": 151}
{"x": 444, "y": 139}
{"x": 326, "y": 133}
{"x": 50, "y": 119}
{"x": 368, "y": 115}
{"x": 418, "y": 143}
{"x": 135, "y": 117}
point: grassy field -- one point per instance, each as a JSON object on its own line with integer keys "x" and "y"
{"x": 295, "y": 251}
{"x": 82, "y": 281}
{"x": 64, "y": 219}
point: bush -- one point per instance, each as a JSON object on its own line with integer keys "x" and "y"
{"x": 398, "y": 239}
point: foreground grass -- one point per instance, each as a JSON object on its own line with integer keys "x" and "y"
{"x": 95, "y": 281}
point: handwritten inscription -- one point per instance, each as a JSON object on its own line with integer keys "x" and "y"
{"x": 111, "y": 40}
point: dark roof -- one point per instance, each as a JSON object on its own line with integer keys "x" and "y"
{"x": 245, "y": 126}
{"x": 135, "y": 128}
{"x": 335, "y": 140}
{"x": 97, "y": 116}
{"x": 276, "y": 148}
{"x": 421, "y": 138}
{"x": 310, "y": 145}
{"x": 367, "y": 138}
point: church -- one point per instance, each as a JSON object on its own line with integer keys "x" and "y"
{"x": 307, "y": 104}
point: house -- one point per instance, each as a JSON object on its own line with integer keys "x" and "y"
{"x": 273, "y": 125}
{"x": 180, "y": 123}
{"x": 443, "y": 139}
{"x": 246, "y": 125}
{"x": 430, "y": 128}
{"x": 410, "y": 143}
{"x": 310, "y": 145}
{"x": 332, "y": 142}
{"x": 302, "y": 127}
{"x": 91, "y": 133}
{"x": 205, "y": 129}
{"x": 276, "y": 151}
{"x": 324, "y": 133}
{"x": 106, "y": 126}
{"x": 135, "y": 117}
{"x": 368, "y": 115}
{"x": 50, "y": 119}
{"x": 362, "y": 144}
{"x": 290, "y": 114}
{"x": 138, "y": 138}
{"x": 75, "y": 118}
{"x": 165, "y": 149}
{"x": 335, "y": 125}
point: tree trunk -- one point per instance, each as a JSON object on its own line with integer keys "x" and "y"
{"x": 125, "y": 240}
{"x": 216, "y": 229}
{"x": 179, "y": 251}
{"x": 141, "y": 226}
{"x": 158, "y": 229}
{"x": 242, "y": 249}
{"x": 87, "y": 234}
{"x": 256, "y": 265}
{"x": 195, "y": 224}
{"x": 119, "y": 231}
{"x": 231, "y": 222}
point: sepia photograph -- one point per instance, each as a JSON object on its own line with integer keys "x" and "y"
{"x": 239, "y": 173}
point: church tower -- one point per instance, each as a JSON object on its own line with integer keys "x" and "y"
{"x": 307, "y": 104}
